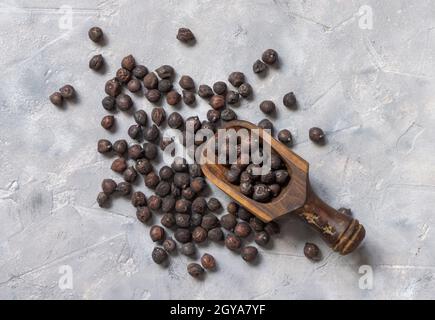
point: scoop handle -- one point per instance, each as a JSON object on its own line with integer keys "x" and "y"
{"x": 340, "y": 231}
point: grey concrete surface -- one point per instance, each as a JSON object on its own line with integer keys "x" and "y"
{"x": 372, "y": 90}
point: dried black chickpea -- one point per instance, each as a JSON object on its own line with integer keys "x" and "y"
{"x": 124, "y": 188}
{"x": 169, "y": 245}
{"x": 182, "y": 220}
{"x": 123, "y": 75}
{"x": 123, "y": 102}
{"x": 166, "y": 173}
{"x": 134, "y": 85}
{"x": 130, "y": 174}
{"x": 213, "y": 115}
{"x": 120, "y": 147}
{"x": 259, "y": 66}
{"x": 95, "y": 34}
{"x": 112, "y": 87}
{"x": 173, "y": 97}
{"x": 157, "y": 233}
{"x": 242, "y": 229}
{"x": 119, "y": 165}
{"x": 188, "y": 97}
{"x": 256, "y": 224}
{"x": 209, "y": 221}
{"x": 195, "y": 270}
{"x": 269, "y": 56}
{"x": 96, "y": 62}
{"x": 199, "y": 234}
{"x": 139, "y": 71}
{"x": 208, "y": 261}
{"x": 175, "y": 120}
{"x": 108, "y": 186}
{"x": 249, "y": 253}
{"x": 285, "y": 136}
{"x": 128, "y": 62}
{"x": 204, "y": 91}
{"x": 165, "y": 71}
{"x": 179, "y": 165}
{"x": 228, "y": 115}
{"x": 220, "y": 87}
{"x": 151, "y": 133}
{"x": 228, "y": 221}
{"x": 168, "y": 204}
{"x": 217, "y": 102}
{"x": 236, "y": 78}
{"x": 154, "y": 202}
{"x": 266, "y": 124}
{"x": 151, "y": 81}
{"x": 134, "y": 131}
{"x": 153, "y": 95}
{"x": 159, "y": 255}
{"x": 102, "y": 199}
{"x": 215, "y": 234}
{"x": 272, "y": 228}
{"x": 317, "y": 135}
{"x": 232, "y": 97}
{"x": 143, "y": 214}
{"x": 165, "y": 85}
{"x": 233, "y": 242}
{"x": 232, "y": 208}
{"x": 158, "y": 115}
{"x": 267, "y": 107}
{"x": 199, "y": 205}
{"x": 67, "y": 91}
{"x": 185, "y": 35}
{"x": 188, "y": 249}
{"x": 107, "y": 122}
{"x": 245, "y": 90}
{"x": 135, "y": 152}
{"x": 186, "y": 82}
{"x": 312, "y": 252}
{"x": 143, "y": 166}
{"x": 138, "y": 199}
{"x": 151, "y": 180}
{"x": 183, "y": 235}
{"x": 108, "y": 103}
{"x": 168, "y": 220}
{"x": 140, "y": 116}
{"x": 289, "y": 100}
{"x": 214, "y": 204}
{"x": 262, "y": 238}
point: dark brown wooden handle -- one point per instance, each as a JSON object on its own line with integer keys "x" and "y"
{"x": 340, "y": 231}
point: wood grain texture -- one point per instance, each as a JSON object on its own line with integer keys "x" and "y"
{"x": 341, "y": 232}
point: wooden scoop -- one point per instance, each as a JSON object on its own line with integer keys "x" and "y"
{"x": 341, "y": 232}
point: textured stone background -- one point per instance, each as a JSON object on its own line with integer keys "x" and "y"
{"x": 371, "y": 90}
